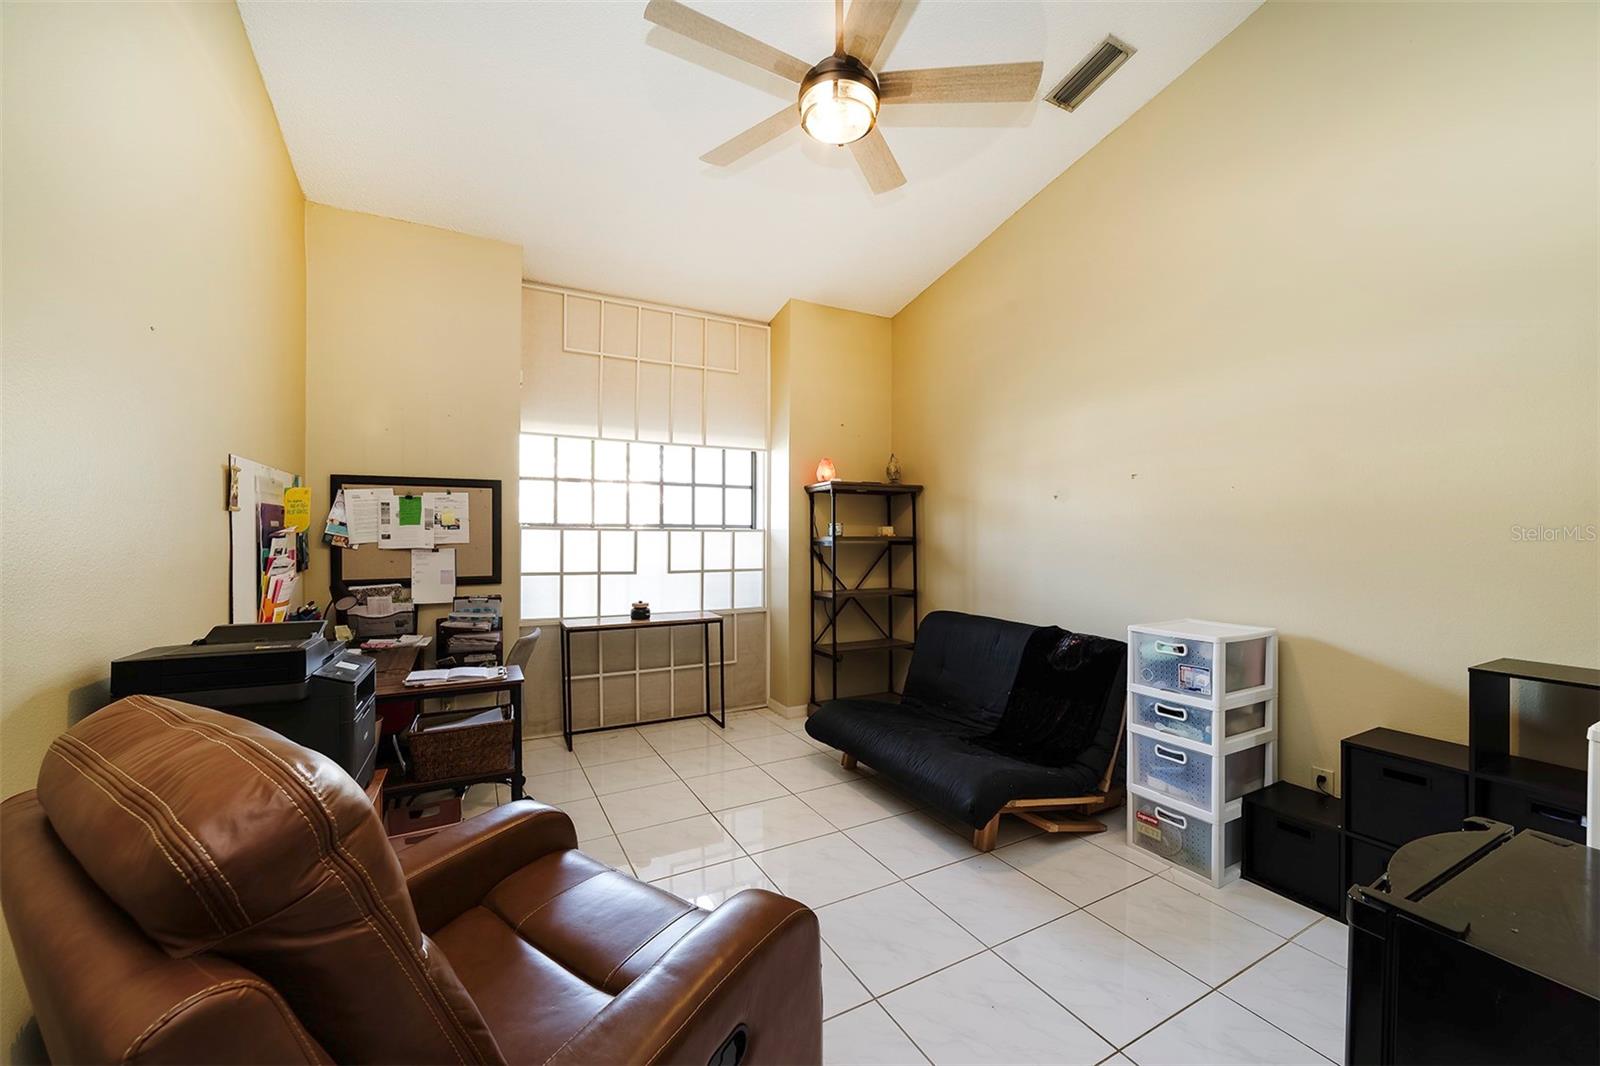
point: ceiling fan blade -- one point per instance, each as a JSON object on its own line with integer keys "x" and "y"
{"x": 866, "y": 25}
{"x": 768, "y": 129}
{"x": 988, "y": 83}
{"x": 685, "y": 20}
{"x": 877, "y": 162}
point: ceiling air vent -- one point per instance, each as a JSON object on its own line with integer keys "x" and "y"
{"x": 1087, "y": 76}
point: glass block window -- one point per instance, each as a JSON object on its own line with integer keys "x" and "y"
{"x": 605, "y": 523}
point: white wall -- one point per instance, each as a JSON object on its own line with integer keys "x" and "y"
{"x": 1301, "y": 344}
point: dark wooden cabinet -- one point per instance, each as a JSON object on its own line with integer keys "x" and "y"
{"x": 1508, "y": 786}
{"x": 1397, "y": 787}
{"x": 1292, "y": 845}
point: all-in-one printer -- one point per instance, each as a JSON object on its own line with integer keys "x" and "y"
{"x": 287, "y": 676}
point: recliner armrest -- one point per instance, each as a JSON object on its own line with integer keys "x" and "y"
{"x": 755, "y": 962}
{"x": 452, "y": 870}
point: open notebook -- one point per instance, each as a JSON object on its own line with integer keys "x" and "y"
{"x": 460, "y": 673}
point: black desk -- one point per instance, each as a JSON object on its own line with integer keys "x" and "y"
{"x": 622, "y": 623}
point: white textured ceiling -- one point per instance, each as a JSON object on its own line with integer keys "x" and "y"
{"x": 574, "y": 130}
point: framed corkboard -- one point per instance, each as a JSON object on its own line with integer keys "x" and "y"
{"x": 477, "y": 561}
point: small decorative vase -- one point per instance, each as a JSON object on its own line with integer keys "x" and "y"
{"x": 640, "y": 612}
{"x": 893, "y": 469}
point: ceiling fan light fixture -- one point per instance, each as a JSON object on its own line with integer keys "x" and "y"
{"x": 838, "y": 101}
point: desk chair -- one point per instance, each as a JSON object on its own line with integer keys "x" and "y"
{"x": 522, "y": 651}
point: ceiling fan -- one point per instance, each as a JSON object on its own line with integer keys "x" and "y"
{"x": 840, "y": 96}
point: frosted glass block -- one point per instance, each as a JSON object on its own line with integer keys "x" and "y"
{"x": 718, "y": 551}
{"x": 610, "y": 504}
{"x": 644, "y": 462}
{"x": 655, "y": 402}
{"x": 677, "y": 506}
{"x": 677, "y": 464}
{"x": 541, "y": 597}
{"x": 708, "y": 466}
{"x": 541, "y": 551}
{"x": 655, "y": 335}
{"x": 572, "y": 457}
{"x": 617, "y": 594}
{"x": 748, "y": 588}
{"x": 688, "y": 391}
{"x": 536, "y": 455}
{"x": 610, "y": 460}
{"x": 737, "y": 512}
{"x": 680, "y": 592}
{"x": 580, "y": 551}
{"x": 722, "y": 345}
{"x": 620, "y": 335}
{"x": 644, "y": 505}
{"x": 739, "y": 466}
{"x": 536, "y": 502}
{"x": 652, "y": 549}
{"x": 619, "y": 393}
{"x": 580, "y": 596}
{"x": 616, "y": 551}
{"x": 583, "y": 324}
{"x": 685, "y": 551}
{"x": 707, "y": 506}
{"x": 749, "y": 551}
{"x": 574, "y": 503}
{"x": 688, "y": 339}
{"x": 719, "y": 592}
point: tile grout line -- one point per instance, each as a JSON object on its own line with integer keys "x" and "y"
{"x": 876, "y": 998}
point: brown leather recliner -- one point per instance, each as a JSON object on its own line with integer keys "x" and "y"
{"x": 185, "y": 886}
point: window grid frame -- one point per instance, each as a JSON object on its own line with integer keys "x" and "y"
{"x": 723, "y": 486}
{"x": 597, "y": 576}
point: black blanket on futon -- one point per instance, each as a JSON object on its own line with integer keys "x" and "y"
{"x": 1054, "y": 708}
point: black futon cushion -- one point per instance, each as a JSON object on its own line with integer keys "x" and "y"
{"x": 959, "y": 741}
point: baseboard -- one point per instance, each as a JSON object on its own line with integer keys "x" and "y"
{"x": 787, "y": 712}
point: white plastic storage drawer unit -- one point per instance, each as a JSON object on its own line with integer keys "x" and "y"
{"x": 1182, "y": 657}
{"x": 1186, "y": 773}
{"x": 1163, "y": 714}
{"x": 1185, "y": 840}
{"x": 1202, "y": 732}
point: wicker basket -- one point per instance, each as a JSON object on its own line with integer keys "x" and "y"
{"x": 467, "y": 747}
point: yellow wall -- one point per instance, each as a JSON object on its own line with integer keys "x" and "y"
{"x": 413, "y": 355}
{"x": 1297, "y": 345}
{"x": 830, "y": 397}
{"x": 154, "y": 321}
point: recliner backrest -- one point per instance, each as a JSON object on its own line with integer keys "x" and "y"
{"x": 215, "y": 835}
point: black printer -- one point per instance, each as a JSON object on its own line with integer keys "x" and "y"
{"x": 287, "y": 676}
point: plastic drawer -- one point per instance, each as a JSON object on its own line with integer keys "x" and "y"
{"x": 1183, "y": 839}
{"x": 1186, "y": 775}
{"x": 1174, "y": 664}
{"x": 1195, "y": 723}
{"x": 1245, "y": 664}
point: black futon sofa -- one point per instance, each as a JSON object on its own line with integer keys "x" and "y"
{"x": 997, "y": 717}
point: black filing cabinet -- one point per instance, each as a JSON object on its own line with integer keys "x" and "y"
{"x": 1292, "y": 845}
{"x": 1397, "y": 787}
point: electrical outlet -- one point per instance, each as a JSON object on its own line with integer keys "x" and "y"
{"x": 1327, "y": 781}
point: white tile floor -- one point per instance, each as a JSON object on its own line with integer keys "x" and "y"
{"x": 1050, "y": 949}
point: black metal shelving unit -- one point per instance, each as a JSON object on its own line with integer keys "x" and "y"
{"x": 835, "y": 596}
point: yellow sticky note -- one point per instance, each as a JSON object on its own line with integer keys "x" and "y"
{"x": 297, "y": 507}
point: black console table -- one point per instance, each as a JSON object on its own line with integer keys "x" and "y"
{"x": 617, "y": 623}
